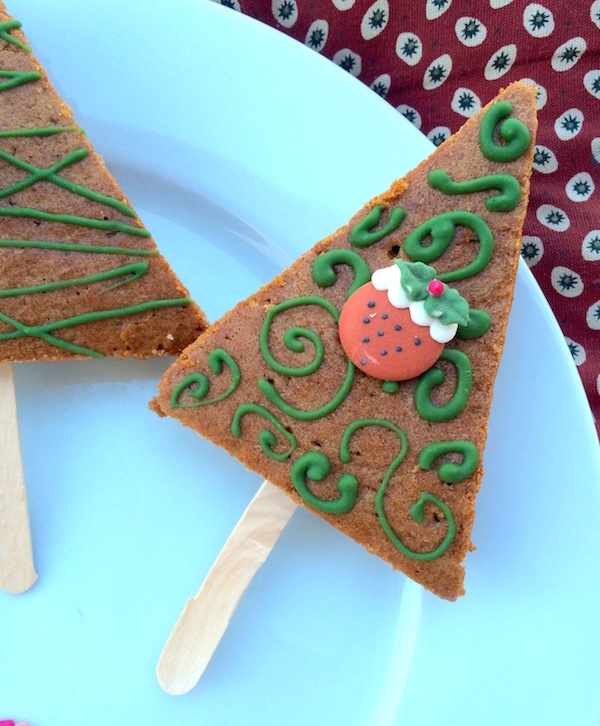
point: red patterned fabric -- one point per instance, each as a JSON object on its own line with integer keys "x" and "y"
{"x": 437, "y": 64}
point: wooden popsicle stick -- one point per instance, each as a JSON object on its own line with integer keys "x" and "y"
{"x": 17, "y": 572}
{"x": 206, "y": 616}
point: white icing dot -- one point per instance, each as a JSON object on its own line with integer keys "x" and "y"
{"x": 470, "y": 31}
{"x": 317, "y": 35}
{"x": 375, "y": 20}
{"x": 568, "y": 54}
{"x": 532, "y": 250}
{"x": 437, "y": 72}
{"x": 569, "y": 124}
{"x": 580, "y": 187}
{"x": 590, "y": 247}
{"x": 349, "y": 61}
{"x": 538, "y": 20}
{"x": 465, "y": 102}
{"x": 553, "y": 217}
{"x": 500, "y": 62}
{"x": 566, "y": 282}
{"x": 409, "y": 48}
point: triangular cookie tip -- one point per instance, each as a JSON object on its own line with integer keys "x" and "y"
{"x": 312, "y": 381}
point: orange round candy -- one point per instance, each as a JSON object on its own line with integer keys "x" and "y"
{"x": 382, "y": 340}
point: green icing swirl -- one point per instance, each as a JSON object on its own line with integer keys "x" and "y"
{"x": 362, "y": 234}
{"x": 506, "y": 184}
{"x": 294, "y": 339}
{"x": 36, "y": 131}
{"x": 324, "y": 274}
{"x": 315, "y": 466}
{"x": 440, "y": 231}
{"x": 435, "y": 377}
{"x": 511, "y": 130}
{"x": 450, "y": 471}
{"x": 417, "y": 510}
{"x": 196, "y": 386}
{"x": 479, "y": 323}
{"x": 266, "y": 438}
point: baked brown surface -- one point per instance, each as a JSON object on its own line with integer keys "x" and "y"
{"x": 50, "y": 179}
{"x": 203, "y": 391}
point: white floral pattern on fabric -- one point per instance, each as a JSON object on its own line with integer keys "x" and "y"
{"x": 285, "y": 12}
{"x": 497, "y": 4}
{"x": 590, "y": 247}
{"x": 409, "y": 48}
{"x": 411, "y": 114}
{"x": 439, "y": 134}
{"x": 532, "y": 250}
{"x": 381, "y": 85}
{"x": 544, "y": 160}
{"x": 375, "y": 19}
{"x": 317, "y": 35}
{"x": 538, "y": 20}
{"x": 436, "y": 8}
{"x": 591, "y": 82}
{"x": 592, "y": 317}
{"x": 437, "y": 72}
{"x": 500, "y": 62}
{"x": 552, "y": 217}
{"x": 349, "y": 61}
{"x": 569, "y": 124}
{"x": 577, "y": 351}
{"x": 566, "y": 282}
{"x": 470, "y": 31}
{"x": 465, "y": 102}
{"x": 568, "y": 54}
{"x": 580, "y": 187}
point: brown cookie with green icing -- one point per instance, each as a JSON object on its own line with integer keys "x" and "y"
{"x": 80, "y": 276}
{"x": 392, "y": 459}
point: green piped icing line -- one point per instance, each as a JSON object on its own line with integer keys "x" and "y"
{"x": 450, "y": 471}
{"x": 294, "y": 339}
{"x": 508, "y": 187}
{"x": 364, "y": 234}
{"x": 44, "y": 332}
{"x": 324, "y": 274}
{"x": 436, "y": 377}
{"x": 50, "y": 174}
{"x": 131, "y": 272}
{"x": 266, "y": 439}
{"x": 417, "y": 510}
{"x": 192, "y": 391}
{"x": 36, "y": 131}
{"x": 315, "y": 466}
{"x": 75, "y": 247}
{"x": 6, "y": 27}
{"x": 479, "y": 323}
{"x": 17, "y": 78}
{"x": 512, "y": 131}
{"x": 440, "y": 231}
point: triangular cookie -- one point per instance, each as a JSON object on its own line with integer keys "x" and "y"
{"x": 79, "y": 274}
{"x": 393, "y": 461}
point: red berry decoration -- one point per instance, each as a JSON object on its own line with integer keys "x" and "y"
{"x": 395, "y": 327}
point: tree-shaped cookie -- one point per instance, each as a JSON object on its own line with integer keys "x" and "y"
{"x": 80, "y": 276}
{"x": 312, "y": 381}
